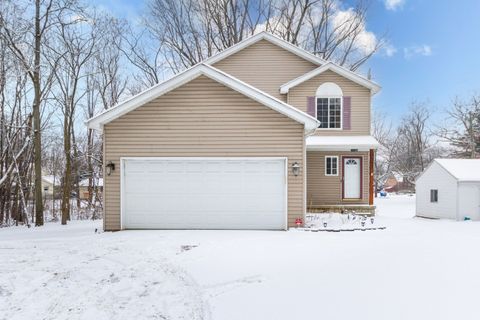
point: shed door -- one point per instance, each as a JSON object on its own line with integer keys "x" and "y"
{"x": 469, "y": 201}
{"x": 204, "y": 193}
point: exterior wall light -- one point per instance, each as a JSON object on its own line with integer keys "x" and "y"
{"x": 296, "y": 168}
{"x": 110, "y": 167}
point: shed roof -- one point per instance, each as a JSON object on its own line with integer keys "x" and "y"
{"x": 461, "y": 169}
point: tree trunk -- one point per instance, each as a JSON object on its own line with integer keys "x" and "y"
{"x": 67, "y": 184}
{"x": 76, "y": 165}
{"x": 37, "y": 135}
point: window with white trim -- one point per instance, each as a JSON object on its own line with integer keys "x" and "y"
{"x": 433, "y": 195}
{"x": 329, "y": 106}
{"x": 329, "y": 113}
{"x": 331, "y": 165}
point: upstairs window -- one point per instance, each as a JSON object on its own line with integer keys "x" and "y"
{"x": 329, "y": 113}
{"x": 329, "y": 101}
{"x": 433, "y": 195}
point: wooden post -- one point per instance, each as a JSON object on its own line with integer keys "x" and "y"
{"x": 371, "y": 178}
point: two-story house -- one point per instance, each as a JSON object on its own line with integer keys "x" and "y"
{"x": 250, "y": 138}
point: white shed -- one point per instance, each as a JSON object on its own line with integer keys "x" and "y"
{"x": 449, "y": 188}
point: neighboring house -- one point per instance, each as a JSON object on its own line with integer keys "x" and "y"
{"x": 449, "y": 188}
{"x": 245, "y": 140}
{"x": 50, "y": 185}
{"x": 83, "y": 187}
{"x": 397, "y": 183}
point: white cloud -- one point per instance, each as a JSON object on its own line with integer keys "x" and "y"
{"x": 394, "y": 4}
{"x": 423, "y": 50}
{"x": 366, "y": 41}
{"x": 390, "y": 50}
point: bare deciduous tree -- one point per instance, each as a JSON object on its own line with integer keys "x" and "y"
{"x": 144, "y": 53}
{"x": 15, "y": 141}
{"x": 106, "y": 64}
{"x": 412, "y": 147}
{"x": 382, "y": 131}
{"x": 189, "y": 31}
{"x": 28, "y": 43}
{"x": 75, "y": 47}
{"x": 462, "y": 130}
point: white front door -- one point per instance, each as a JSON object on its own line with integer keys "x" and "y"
{"x": 204, "y": 193}
{"x": 352, "y": 178}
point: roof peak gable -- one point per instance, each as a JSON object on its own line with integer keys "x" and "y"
{"x": 264, "y": 35}
{"x": 342, "y": 71}
{"x": 190, "y": 74}
{"x": 322, "y": 64}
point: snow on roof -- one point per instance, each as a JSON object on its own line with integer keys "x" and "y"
{"x": 341, "y": 142}
{"x": 50, "y": 179}
{"x": 98, "y": 182}
{"x": 462, "y": 169}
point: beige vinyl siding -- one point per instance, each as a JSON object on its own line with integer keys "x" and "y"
{"x": 201, "y": 119}
{"x": 265, "y": 66}
{"x": 327, "y": 190}
{"x": 360, "y": 113}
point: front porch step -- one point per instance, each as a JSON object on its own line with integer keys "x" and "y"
{"x": 358, "y": 209}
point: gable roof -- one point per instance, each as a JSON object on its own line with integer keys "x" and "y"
{"x": 374, "y": 87}
{"x": 270, "y": 38}
{"x": 323, "y": 64}
{"x": 461, "y": 169}
{"x": 97, "y": 122}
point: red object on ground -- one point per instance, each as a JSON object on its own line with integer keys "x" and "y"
{"x": 298, "y": 222}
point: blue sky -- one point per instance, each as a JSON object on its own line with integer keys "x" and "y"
{"x": 437, "y": 46}
{"x": 433, "y": 47}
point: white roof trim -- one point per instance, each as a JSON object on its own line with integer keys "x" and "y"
{"x": 270, "y": 38}
{"x": 160, "y": 89}
{"x": 374, "y": 87}
{"x": 341, "y": 143}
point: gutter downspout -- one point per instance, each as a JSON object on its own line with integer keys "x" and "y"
{"x": 306, "y": 134}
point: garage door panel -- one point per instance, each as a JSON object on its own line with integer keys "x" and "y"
{"x": 135, "y": 167}
{"x": 204, "y": 204}
{"x": 138, "y": 185}
{"x": 204, "y": 193}
{"x": 251, "y": 220}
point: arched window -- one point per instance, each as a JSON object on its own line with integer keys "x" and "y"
{"x": 329, "y": 97}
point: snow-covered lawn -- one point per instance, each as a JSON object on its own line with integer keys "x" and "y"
{"x": 415, "y": 269}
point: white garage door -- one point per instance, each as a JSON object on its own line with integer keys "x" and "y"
{"x": 204, "y": 193}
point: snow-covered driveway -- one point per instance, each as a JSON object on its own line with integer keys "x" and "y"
{"x": 415, "y": 269}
